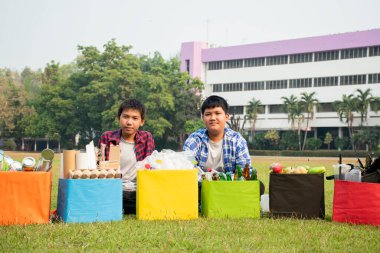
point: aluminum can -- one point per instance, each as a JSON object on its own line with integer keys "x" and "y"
{"x": 46, "y": 160}
{"x": 28, "y": 164}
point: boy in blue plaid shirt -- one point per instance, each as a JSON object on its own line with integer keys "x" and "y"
{"x": 216, "y": 145}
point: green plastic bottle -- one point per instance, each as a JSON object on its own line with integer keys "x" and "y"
{"x": 239, "y": 174}
{"x": 254, "y": 174}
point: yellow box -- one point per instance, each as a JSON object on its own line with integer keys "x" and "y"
{"x": 167, "y": 195}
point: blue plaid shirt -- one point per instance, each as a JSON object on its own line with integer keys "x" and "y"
{"x": 235, "y": 150}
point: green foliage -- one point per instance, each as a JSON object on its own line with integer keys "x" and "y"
{"x": 313, "y": 143}
{"x": 341, "y": 143}
{"x": 289, "y": 140}
{"x": 328, "y": 139}
{"x": 10, "y": 144}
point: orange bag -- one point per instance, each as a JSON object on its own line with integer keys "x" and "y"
{"x": 25, "y": 197}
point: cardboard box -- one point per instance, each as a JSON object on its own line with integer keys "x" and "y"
{"x": 226, "y": 199}
{"x": 357, "y": 203}
{"x": 167, "y": 194}
{"x": 90, "y": 200}
{"x": 25, "y": 197}
{"x": 297, "y": 195}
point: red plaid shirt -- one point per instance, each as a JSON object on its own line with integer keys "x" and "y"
{"x": 143, "y": 140}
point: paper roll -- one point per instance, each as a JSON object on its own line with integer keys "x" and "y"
{"x": 81, "y": 161}
{"x": 61, "y": 168}
{"x": 68, "y": 162}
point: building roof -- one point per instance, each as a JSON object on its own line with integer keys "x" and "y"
{"x": 294, "y": 46}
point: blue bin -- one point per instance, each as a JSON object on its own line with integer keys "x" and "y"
{"x": 90, "y": 200}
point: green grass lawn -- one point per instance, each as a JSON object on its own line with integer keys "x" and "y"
{"x": 201, "y": 235}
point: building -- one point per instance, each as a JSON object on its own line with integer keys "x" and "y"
{"x": 330, "y": 66}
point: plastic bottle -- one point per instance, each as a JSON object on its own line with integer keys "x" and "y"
{"x": 239, "y": 174}
{"x": 246, "y": 172}
{"x": 228, "y": 175}
{"x": 254, "y": 174}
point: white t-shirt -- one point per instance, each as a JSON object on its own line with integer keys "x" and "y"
{"x": 215, "y": 155}
{"x": 127, "y": 165}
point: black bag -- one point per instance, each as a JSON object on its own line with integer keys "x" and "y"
{"x": 297, "y": 195}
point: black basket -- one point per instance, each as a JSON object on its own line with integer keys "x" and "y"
{"x": 373, "y": 177}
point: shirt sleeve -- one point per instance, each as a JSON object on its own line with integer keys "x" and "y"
{"x": 192, "y": 144}
{"x": 150, "y": 147}
{"x": 242, "y": 153}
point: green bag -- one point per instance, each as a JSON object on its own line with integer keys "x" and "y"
{"x": 236, "y": 199}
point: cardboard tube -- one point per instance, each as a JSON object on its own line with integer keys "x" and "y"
{"x": 81, "y": 161}
{"x": 68, "y": 162}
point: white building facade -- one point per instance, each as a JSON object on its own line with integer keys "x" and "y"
{"x": 330, "y": 66}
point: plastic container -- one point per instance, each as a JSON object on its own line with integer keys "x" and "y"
{"x": 344, "y": 168}
{"x": 354, "y": 175}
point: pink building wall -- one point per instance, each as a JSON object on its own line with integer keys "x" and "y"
{"x": 191, "y": 53}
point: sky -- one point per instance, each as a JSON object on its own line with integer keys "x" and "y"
{"x": 33, "y": 33}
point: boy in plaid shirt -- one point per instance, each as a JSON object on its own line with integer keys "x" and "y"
{"x": 134, "y": 144}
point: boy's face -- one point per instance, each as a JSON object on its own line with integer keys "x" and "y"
{"x": 130, "y": 121}
{"x": 215, "y": 119}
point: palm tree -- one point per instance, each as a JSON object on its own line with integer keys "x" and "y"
{"x": 364, "y": 98}
{"x": 345, "y": 109}
{"x": 253, "y": 109}
{"x": 289, "y": 104}
{"x": 308, "y": 101}
{"x": 297, "y": 114}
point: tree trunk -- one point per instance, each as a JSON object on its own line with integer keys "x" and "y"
{"x": 307, "y": 126}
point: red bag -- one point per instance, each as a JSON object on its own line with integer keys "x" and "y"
{"x": 357, "y": 203}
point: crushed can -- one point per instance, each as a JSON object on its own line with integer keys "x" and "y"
{"x": 28, "y": 164}
{"x": 46, "y": 160}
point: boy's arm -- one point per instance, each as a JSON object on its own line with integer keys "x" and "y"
{"x": 192, "y": 144}
{"x": 242, "y": 153}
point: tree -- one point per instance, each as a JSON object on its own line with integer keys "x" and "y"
{"x": 364, "y": 98}
{"x": 289, "y": 104}
{"x": 297, "y": 113}
{"x": 345, "y": 109}
{"x": 308, "y": 101}
{"x": 253, "y": 109}
{"x": 273, "y": 137}
{"x": 328, "y": 140}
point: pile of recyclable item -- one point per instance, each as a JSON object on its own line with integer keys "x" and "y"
{"x": 90, "y": 164}
{"x": 167, "y": 159}
{"x": 44, "y": 163}
{"x": 220, "y": 174}
{"x": 369, "y": 171}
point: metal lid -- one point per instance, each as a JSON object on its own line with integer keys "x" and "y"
{"x": 47, "y": 154}
{"x": 28, "y": 161}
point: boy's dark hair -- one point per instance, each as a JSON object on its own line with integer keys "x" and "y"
{"x": 214, "y": 101}
{"x": 132, "y": 104}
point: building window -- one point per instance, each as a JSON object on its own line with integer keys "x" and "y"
{"x": 217, "y": 87}
{"x": 236, "y": 110}
{"x": 300, "y": 83}
{"x": 353, "y": 53}
{"x": 254, "y": 85}
{"x": 374, "y": 51}
{"x": 325, "y": 107}
{"x": 232, "y": 64}
{"x": 277, "y": 60}
{"x": 355, "y": 79}
{"x": 215, "y": 65}
{"x": 299, "y": 58}
{"x": 188, "y": 66}
{"x": 254, "y": 62}
{"x": 326, "y": 55}
{"x": 276, "y": 84}
{"x": 232, "y": 87}
{"x": 325, "y": 81}
{"x": 374, "y": 78}
{"x": 276, "y": 108}
{"x": 260, "y": 109}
